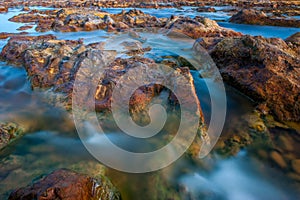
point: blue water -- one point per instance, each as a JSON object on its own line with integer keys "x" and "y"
{"x": 168, "y": 12}
{"x": 266, "y": 31}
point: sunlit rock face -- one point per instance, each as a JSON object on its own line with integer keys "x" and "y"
{"x": 266, "y": 70}
{"x": 69, "y": 185}
{"x": 53, "y": 65}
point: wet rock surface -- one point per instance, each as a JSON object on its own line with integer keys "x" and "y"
{"x": 266, "y": 70}
{"x": 250, "y": 16}
{"x": 68, "y": 185}
{"x": 4, "y": 35}
{"x": 8, "y": 133}
{"x": 72, "y": 20}
{"x": 198, "y": 27}
{"x": 53, "y": 64}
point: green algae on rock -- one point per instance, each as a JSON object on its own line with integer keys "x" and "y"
{"x": 9, "y": 132}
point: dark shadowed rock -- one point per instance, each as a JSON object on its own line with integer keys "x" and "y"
{"x": 67, "y": 185}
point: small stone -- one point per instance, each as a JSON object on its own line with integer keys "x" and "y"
{"x": 285, "y": 142}
{"x": 278, "y": 159}
{"x": 3, "y": 9}
{"x": 296, "y": 165}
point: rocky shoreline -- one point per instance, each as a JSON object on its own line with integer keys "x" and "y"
{"x": 265, "y": 69}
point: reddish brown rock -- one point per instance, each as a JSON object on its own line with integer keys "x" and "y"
{"x": 198, "y": 27}
{"x": 22, "y": 28}
{"x": 206, "y": 9}
{"x": 267, "y": 70}
{"x": 52, "y": 63}
{"x": 5, "y": 35}
{"x": 3, "y": 9}
{"x": 14, "y": 51}
{"x": 26, "y": 8}
{"x": 67, "y": 185}
{"x": 250, "y": 16}
{"x": 294, "y": 42}
{"x": 138, "y": 19}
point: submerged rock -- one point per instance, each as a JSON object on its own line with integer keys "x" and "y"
{"x": 67, "y": 185}
{"x": 250, "y": 16}
{"x": 266, "y": 70}
{"x": 8, "y": 133}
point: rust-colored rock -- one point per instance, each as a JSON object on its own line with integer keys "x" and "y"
{"x": 3, "y": 9}
{"x": 52, "y": 63}
{"x": 206, "y": 9}
{"x": 5, "y": 35}
{"x": 250, "y": 16}
{"x": 267, "y": 70}
{"x": 294, "y": 42}
{"x": 26, "y": 9}
{"x": 23, "y": 28}
{"x": 67, "y": 185}
{"x": 198, "y": 27}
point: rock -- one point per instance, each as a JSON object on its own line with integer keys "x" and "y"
{"x": 251, "y": 16}
{"x": 3, "y": 9}
{"x": 296, "y": 165}
{"x": 294, "y": 42}
{"x": 26, "y": 9}
{"x": 278, "y": 159}
{"x": 206, "y": 9}
{"x": 67, "y": 185}
{"x": 8, "y": 133}
{"x": 22, "y": 28}
{"x": 198, "y": 27}
{"x": 54, "y": 63}
{"x": 14, "y": 51}
{"x": 5, "y": 35}
{"x": 295, "y": 39}
{"x": 138, "y": 19}
{"x": 267, "y": 70}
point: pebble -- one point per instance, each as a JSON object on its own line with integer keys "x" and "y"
{"x": 278, "y": 159}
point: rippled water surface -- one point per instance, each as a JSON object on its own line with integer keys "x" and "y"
{"x": 53, "y": 142}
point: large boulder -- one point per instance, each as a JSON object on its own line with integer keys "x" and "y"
{"x": 267, "y": 70}
{"x": 67, "y": 185}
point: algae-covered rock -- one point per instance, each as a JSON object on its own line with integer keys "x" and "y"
{"x": 9, "y": 132}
